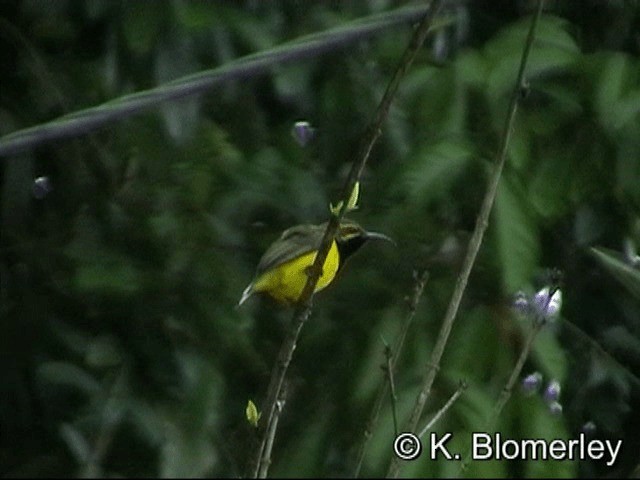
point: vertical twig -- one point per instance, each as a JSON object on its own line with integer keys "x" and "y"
{"x": 474, "y": 246}
{"x": 418, "y": 288}
{"x": 303, "y": 308}
{"x": 392, "y": 388}
{"x": 271, "y": 435}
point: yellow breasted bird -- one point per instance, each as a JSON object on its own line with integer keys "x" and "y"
{"x": 282, "y": 270}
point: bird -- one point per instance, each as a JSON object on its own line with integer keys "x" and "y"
{"x": 282, "y": 271}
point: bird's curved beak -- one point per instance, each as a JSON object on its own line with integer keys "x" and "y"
{"x": 380, "y": 236}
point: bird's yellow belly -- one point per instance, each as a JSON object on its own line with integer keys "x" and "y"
{"x": 285, "y": 282}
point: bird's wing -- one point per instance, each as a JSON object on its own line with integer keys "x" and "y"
{"x": 293, "y": 242}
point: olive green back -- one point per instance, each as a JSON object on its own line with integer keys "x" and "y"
{"x": 293, "y": 242}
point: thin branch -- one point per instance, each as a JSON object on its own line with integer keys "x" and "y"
{"x": 303, "y": 307}
{"x": 461, "y": 388}
{"x": 309, "y": 46}
{"x": 392, "y": 388}
{"x": 505, "y": 395}
{"x": 418, "y": 288}
{"x": 474, "y": 246}
{"x": 271, "y": 435}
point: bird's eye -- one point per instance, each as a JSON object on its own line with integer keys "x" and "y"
{"x": 349, "y": 231}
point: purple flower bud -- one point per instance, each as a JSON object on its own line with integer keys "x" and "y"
{"x": 588, "y": 428}
{"x": 41, "y": 187}
{"x": 303, "y": 133}
{"x": 531, "y": 383}
{"x": 555, "y": 409}
{"x": 552, "y": 392}
{"x": 521, "y": 303}
{"x": 547, "y": 306}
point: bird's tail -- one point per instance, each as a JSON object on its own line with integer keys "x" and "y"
{"x": 246, "y": 294}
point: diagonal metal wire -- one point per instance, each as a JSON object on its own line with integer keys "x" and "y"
{"x": 87, "y": 120}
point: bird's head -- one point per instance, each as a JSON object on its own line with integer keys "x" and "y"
{"x": 351, "y": 236}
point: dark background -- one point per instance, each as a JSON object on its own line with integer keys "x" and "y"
{"x": 123, "y": 352}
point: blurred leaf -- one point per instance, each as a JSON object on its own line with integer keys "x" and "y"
{"x": 435, "y": 169}
{"x": 550, "y": 179}
{"x": 549, "y": 353}
{"x": 76, "y": 442}
{"x": 554, "y": 50}
{"x": 141, "y": 23}
{"x": 195, "y": 15}
{"x": 472, "y": 68}
{"x": 627, "y": 110}
{"x": 519, "y": 153}
{"x": 185, "y": 455}
{"x": 516, "y": 236}
{"x": 609, "y": 89}
{"x": 308, "y": 441}
{"x": 614, "y": 262}
{"x": 108, "y": 278}
{"x": 539, "y": 423}
{"x": 104, "y": 352}
{"x": 67, "y": 374}
{"x": 119, "y": 289}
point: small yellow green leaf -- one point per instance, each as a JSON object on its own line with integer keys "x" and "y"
{"x": 253, "y": 416}
{"x": 336, "y": 210}
{"x": 352, "y": 204}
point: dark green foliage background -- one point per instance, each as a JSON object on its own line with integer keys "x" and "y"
{"x": 123, "y": 352}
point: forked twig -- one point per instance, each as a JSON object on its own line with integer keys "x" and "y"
{"x": 418, "y": 288}
{"x": 461, "y": 388}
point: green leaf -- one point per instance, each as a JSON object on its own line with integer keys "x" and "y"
{"x": 614, "y": 262}
{"x": 516, "y": 236}
{"x": 549, "y": 354}
{"x": 196, "y": 15}
{"x": 68, "y": 374}
{"x": 626, "y": 110}
{"x": 141, "y": 23}
{"x": 117, "y": 278}
{"x": 472, "y": 69}
{"x": 609, "y": 87}
{"x": 554, "y": 50}
{"x": 77, "y": 443}
{"x": 435, "y": 170}
{"x": 253, "y": 416}
{"x": 185, "y": 454}
{"x": 104, "y": 351}
{"x": 551, "y": 177}
{"x": 538, "y": 422}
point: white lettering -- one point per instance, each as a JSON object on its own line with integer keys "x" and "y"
{"x": 614, "y": 453}
{"x": 439, "y": 445}
{"x": 505, "y": 449}
{"x": 536, "y": 446}
{"x": 596, "y": 449}
{"x": 557, "y": 449}
{"x": 481, "y": 441}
